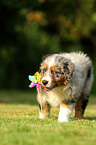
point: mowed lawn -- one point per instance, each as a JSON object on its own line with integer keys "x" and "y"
{"x": 20, "y": 125}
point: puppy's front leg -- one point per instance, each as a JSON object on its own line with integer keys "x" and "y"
{"x": 44, "y": 111}
{"x": 65, "y": 112}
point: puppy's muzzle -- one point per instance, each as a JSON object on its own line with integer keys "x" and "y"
{"x": 44, "y": 82}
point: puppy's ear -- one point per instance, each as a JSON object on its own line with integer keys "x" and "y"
{"x": 68, "y": 69}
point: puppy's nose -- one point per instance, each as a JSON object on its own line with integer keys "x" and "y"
{"x": 44, "y": 82}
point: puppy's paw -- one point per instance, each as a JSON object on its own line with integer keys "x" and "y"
{"x": 63, "y": 119}
{"x": 42, "y": 116}
{"x": 64, "y": 114}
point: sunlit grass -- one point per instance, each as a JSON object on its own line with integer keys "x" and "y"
{"x": 20, "y": 125}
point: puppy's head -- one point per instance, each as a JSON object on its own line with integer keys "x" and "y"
{"x": 56, "y": 71}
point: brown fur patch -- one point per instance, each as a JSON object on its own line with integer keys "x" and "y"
{"x": 64, "y": 105}
{"x": 46, "y": 108}
{"x": 54, "y": 68}
{"x": 80, "y": 106}
{"x": 62, "y": 81}
{"x": 45, "y": 66}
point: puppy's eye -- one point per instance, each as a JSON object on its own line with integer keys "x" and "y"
{"x": 57, "y": 76}
{"x": 52, "y": 72}
{"x": 43, "y": 71}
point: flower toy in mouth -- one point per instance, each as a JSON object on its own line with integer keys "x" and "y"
{"x": 35, "y": 81}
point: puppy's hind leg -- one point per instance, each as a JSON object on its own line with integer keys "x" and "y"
{"x": 81, "y": 106}
{"x": 84, "y": 97}
{"x": 44, "y": 110}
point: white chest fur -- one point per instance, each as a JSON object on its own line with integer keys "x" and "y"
{"x": 56, "y": 96}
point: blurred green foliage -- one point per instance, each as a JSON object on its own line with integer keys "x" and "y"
{"x": 30, "y": 29}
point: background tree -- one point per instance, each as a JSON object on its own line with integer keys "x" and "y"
{"x": 30, "y": 29}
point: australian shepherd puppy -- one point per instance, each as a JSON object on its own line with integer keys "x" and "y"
{"x": 66, "y": 80}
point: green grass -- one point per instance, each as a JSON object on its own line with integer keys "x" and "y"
{"x": 20, "y": 125}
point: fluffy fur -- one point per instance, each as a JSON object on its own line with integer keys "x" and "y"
{"x": 67, "y": 80}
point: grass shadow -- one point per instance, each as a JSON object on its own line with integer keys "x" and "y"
{"x": 90, "y": 118}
